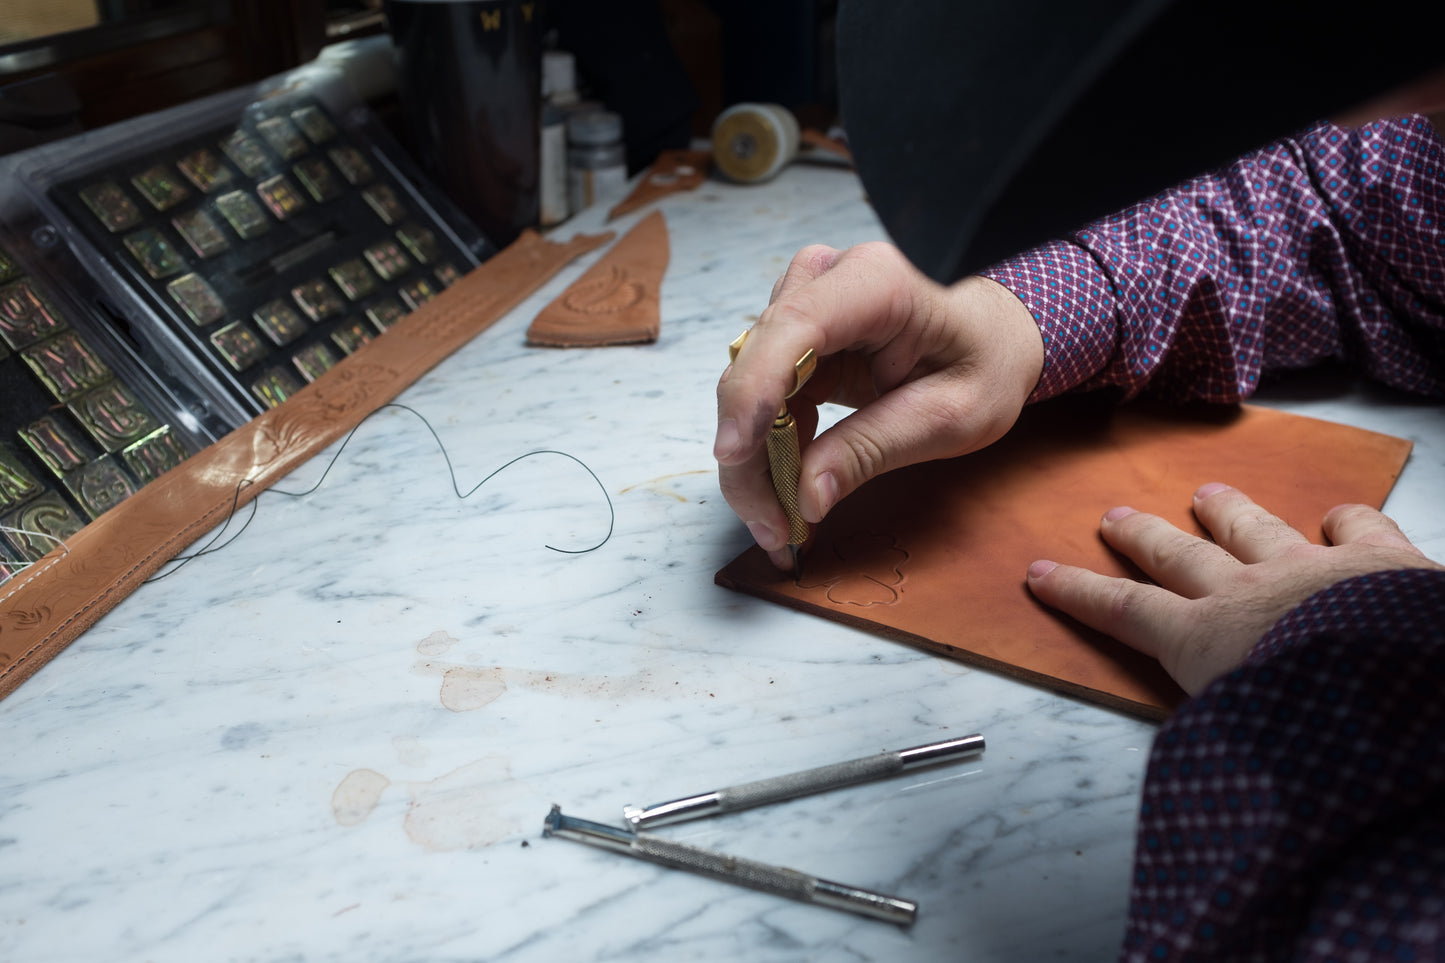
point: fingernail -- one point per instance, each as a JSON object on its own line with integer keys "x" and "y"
{"x": 727, "y": 439}
{"x": 782, "y": 560}
{"x": 767, "y": 539}
{"x": 1041, "y": 568}
{"x": 1114, "y": 514}
{"x": 826, "y": 487}
{"x": 1210, "y": 489}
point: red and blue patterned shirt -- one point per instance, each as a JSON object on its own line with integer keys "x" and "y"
{"x": 1295, "y": 809}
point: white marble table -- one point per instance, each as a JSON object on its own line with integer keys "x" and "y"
{"x": 337, "y": 738}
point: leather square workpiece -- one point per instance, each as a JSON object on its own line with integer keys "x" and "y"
{"x": 935, "y": 554}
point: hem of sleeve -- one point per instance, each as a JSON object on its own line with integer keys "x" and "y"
{"x": 1071, "y": 300}
{"x": 1410, "y": 601}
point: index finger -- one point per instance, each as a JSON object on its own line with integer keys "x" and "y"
{"x": 809, "y": 263}
{"x": 860, "y": 301}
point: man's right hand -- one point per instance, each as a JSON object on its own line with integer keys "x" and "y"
{"x": 933, "y": 372}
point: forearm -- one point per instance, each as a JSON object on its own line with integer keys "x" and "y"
{"x": 1287, "y": 798}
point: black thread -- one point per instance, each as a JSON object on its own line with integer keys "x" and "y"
{"x": 211, "y": 547}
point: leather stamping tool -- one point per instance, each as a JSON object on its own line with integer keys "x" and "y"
{"x": 764, "y": 792}
{"x": 785, "y": 462}
{"x": 776, "y": 880}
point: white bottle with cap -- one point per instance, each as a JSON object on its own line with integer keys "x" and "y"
{"x": 596, "y": 158}
{"x": 559, "y": 95}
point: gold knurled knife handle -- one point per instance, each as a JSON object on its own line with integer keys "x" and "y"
{"x": 786, "y": 466}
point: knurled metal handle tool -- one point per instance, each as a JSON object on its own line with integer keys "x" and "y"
{"x": 822, "y": 779}
{"x": 761, "y": 876}
{"x": 777, "y": 880}
{"x": 785, "y": 462}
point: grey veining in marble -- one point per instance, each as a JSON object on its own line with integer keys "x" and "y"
{"x": 337, "y": 737}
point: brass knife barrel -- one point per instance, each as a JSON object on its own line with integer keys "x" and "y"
{"x": 786, "y": 465}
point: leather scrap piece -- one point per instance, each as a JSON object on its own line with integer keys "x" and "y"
{"x": 814, "y": 144}
{"x": 46, "y": 606}
{"x": 618, "y": 299}
{"x": 934, "y": 555}
{"x": 674, "y": 170}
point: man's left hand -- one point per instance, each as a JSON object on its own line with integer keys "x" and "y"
{"x": 1211, "y": 601}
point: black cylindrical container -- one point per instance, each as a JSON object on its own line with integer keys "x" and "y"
{"x": 469, "y": 81}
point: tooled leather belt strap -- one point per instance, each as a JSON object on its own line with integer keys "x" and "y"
{"x": 46, "y": 606}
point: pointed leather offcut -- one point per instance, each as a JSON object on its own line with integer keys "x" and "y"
{"x": 616, "y": 301}
{"x": 674, "y": 170}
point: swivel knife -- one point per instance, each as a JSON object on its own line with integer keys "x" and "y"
{"x": 785, "y": 463}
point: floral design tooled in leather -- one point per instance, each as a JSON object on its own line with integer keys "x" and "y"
{"x": 871, "y": 566}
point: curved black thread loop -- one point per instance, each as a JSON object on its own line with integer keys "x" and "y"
{"x": 211, "y": 547}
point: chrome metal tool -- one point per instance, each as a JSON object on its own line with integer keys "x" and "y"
{"x": 744, "y": 872}
{"x": 821, "y": 779}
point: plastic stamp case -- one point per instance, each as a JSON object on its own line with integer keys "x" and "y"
{"x": 164, "y": 280}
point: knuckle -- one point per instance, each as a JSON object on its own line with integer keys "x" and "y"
{"x": 1255, "y": 524}
{"x": 746, "y": 495}
{"x": 1182, "y": 551}
{"x": 868, "y": 457}
{"x": 1121, "y": 601}
{"x": 731, "y": 486}
{"x": 813, "y": 256}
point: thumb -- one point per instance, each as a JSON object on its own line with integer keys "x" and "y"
{"x": 913, "y": 423}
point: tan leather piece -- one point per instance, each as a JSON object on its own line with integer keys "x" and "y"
{"x": 935, "y": 554}
{"x": 674, "y": 170}
{"x": 618, "y": 299}
{"x": 816, "y": 143}
{"x": 49, "y": 604}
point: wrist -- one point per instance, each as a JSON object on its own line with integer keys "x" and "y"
{"x": 1069, "y": 299}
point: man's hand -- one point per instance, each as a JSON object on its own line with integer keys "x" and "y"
{"x": 1212, "y": 601}
{"x": 934, "y": 372}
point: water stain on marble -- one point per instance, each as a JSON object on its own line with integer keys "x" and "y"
{"x": 357, "y": 795}
{"x": 472, "y": 806}
{"x": 410, "y": 751}
{"x": 465, "y": 689}
{"x": 436, "y": 643}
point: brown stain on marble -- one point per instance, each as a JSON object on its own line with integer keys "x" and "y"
{"x": 465, "y": 689}
{"x": 357, "y": 795}
{"x": 656, "y": 486}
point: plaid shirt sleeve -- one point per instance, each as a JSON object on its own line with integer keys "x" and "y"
{"x": 1295, "y": 809}
{"x": 1327, "y": 246}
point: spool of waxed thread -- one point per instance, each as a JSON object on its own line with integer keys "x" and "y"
{"x": 751, "y": 143}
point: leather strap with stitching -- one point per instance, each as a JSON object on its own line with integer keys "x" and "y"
{"x": 46, "y": 606}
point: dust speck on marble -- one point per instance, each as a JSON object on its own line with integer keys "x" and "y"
{"x": 357, "y": 795}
